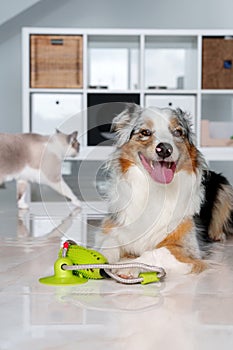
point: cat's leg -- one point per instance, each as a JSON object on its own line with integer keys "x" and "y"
{"x": 2, "y": 183}
{"x": 62, "y": 188}
{"x": 22, "y": 187}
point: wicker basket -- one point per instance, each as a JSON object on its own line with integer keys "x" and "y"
{"x": 56, "y": 61}
{"x": 217, "y": 63}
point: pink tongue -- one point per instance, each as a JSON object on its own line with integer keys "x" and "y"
{"x": 161, "y": 173}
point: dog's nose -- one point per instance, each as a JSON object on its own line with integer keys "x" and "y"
{"x": 164, "y": 149}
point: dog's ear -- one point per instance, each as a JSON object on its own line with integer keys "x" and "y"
{"x": 186, "y": 122}
{"x": 124, "y": 123}
{"x": 124, "y": 118}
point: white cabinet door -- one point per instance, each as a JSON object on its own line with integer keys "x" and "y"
{"x": 57, "y": 111}
{"x": 186, "y": 103}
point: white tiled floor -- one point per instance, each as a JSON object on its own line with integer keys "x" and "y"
{"x": 186, "y": 312}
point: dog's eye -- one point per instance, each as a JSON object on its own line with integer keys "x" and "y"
{"x": 177, "y": 132}
{"x": 146, "y": 132}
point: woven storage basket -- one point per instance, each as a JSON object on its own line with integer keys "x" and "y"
{"x": 56, "y": 61}
{"x": 217, "y": 63}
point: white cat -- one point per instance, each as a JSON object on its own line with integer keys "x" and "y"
{"x": 37, "y": 158}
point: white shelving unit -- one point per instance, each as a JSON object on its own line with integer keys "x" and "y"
{"x": 149, "y": 65}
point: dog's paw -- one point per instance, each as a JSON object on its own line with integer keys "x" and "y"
{"x": 127, "y": 273}
{"x": 112, "y": 255}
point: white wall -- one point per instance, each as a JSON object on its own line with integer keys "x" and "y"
{"x": 184, "y": 14}
{"x": 12, "y": 8}
{"x": 140, "y": 13}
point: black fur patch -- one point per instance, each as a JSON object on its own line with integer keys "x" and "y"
{"x": 212, "y": 183}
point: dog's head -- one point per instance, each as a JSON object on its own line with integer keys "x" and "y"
{"x": 158, "y": 140}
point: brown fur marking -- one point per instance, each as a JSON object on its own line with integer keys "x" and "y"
{"x": 190, "y": 167}
{"x": 221, "y": 213}
{"x": 125, "y": 164}
{"x": 188, "y": 152}
{"x": 107, "y": 226}
{"x": 174, "y": 123}
{"x": 176, "y": 236}
{"x": 178, "y": 252}
{"x": 173, "y": 242}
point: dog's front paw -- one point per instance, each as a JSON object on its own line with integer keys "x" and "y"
{"x": 127, "y": 273}
{"x": 111, "y": 255}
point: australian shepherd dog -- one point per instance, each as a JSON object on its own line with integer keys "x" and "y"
{"x": 165, "y": 206}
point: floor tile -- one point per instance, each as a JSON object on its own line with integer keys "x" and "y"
{"x": 182, "y": 312}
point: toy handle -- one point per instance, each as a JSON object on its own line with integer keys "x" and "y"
{"x": 153, "y": 276}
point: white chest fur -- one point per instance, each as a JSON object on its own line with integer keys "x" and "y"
{"x": 149, "y": 211}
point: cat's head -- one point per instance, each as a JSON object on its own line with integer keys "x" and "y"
{"x": 69, "y": 142}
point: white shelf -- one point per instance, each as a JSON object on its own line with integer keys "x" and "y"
{"x": 146, "y": 39}
{"x": 218, "y": 153}
{"x": 136, "y": 91}
{"x": 217, "y": 91}
{"x": 108, "y": 91}
{"x": 169, "y": 92}
{"x": 57, "y": 91}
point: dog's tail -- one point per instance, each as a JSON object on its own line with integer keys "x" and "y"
{"x": 216, "y": 214}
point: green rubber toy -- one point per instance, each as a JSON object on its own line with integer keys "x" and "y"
{"x": 77, "y": 264}
{"x": 80, "y": 255}
{"x": 62, "y": 277}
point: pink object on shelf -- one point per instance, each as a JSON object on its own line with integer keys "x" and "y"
{"x": 207, "y": 140}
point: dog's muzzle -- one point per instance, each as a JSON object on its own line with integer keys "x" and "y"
{"x": 162, "y": 167}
